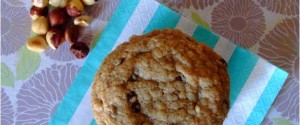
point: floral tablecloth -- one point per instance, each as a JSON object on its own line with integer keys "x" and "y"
{"x": 33, "y": 84}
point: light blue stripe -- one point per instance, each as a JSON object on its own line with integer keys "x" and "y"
{"x": 240, "y": 67}
{"x": 267, "y": 97}
{"x": 84, "y": 79}
{"x": 163, "y": 18}
{"x": 93, "y": 122}
{"x": 206, "y": 36}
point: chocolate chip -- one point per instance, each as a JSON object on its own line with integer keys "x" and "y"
{"x": 178, "y": 78}
{"x": 136, "y": 107}
{"x": 132, "y": 78}
{"x": 223, "y": 61}
{"x": 122, "y": 60}
{"x": 130, "y": 95}
{"x": 225, "y": 102}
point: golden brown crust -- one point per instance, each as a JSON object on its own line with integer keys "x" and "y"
{"x": 163, "y": 77}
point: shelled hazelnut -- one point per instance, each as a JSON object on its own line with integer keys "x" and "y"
{"x": 58, "y": 16}
{"x": 37, "y": 44}
{"x": 59, "y": 3}
{"x": 40, "y": 25}
{"x": 36, "y": 12}
{"x": 75, "y": 8}
{"x": 55, "y": 37}
{"x": 83, "y": 21}
{"x": 89, "y": 2}
{"x": 62, "y": 23}
{"x": 40, "y": 3}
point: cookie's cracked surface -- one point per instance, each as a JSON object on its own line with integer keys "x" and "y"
{"x": 163, "y": 77}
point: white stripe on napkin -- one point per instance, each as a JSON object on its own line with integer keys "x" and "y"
{"x": 250, "y": 93}
{"x": 142, "y": 14}
{"x": 186, "y": 26}
{"x": 83, "y": 108}
{"x": 224, "y": 48}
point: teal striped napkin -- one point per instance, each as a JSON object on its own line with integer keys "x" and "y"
{"x": 254, "y": 82}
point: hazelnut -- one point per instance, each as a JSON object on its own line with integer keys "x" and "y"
{"x": 75, "y": 8}
{"x": 37, "y": 44}
{"x": 59, "y": 3}
{"x": 40, "y": 3}
{"x": 72, "y": 34}
{"x": 83, "y": 21}
{"x": 89, "y": 2}
{"x": 58, "y": 17}
{"x": 40, "y": 25}
{"x": 36, "y": 12}
{"x": 54, "y": 38}
{"x": 79, "y": 50}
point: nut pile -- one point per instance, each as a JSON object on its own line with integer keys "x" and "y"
{"x": 56, "y": 21}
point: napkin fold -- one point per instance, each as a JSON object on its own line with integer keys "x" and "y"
{"x": 254, "y": 82}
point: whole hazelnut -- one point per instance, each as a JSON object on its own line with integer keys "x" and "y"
{"x": 36, "y": 12}
{"x": 83, "y": 21}
{"x": 58, "y": 16}
{"x": 75, "y": 8}
{"x": 89, "y": 2}
{"x": 59, "y": 3}
{"x": 72, "y": 34}
{"x": 37, "y": 44}
{"x": 40, "y": 25}
{"x": 79, "y": 50}
{"x": 55, "y": 37}
{"x": 40, "y": 3}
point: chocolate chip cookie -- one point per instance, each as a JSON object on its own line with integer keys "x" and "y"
{"x": 163, "y": 77}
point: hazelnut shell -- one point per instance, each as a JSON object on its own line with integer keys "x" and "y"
{"x": 36, "y": 12}
{"x": 55, "y": 37}
{"x": 80, "y": 50}
{"x": 72, "y": 34}
{"x": 58, "y": 17}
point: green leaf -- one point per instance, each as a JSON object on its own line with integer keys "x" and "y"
{"x": 197, "y": 19}
{"x": 281, "y": 121}
{"x": 28, "y": 63}
{"x": 7, "y": 77}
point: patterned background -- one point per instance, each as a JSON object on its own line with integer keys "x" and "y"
{"x": 33, "y": 84}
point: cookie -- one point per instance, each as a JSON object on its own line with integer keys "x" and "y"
{"x": 163, "y": 77}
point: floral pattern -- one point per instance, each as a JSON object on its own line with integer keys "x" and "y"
{"x": 196, "y": 4}
{"x": 14, "y": 27}
{"x": 243, "y": 25}
{"x": 39, "y": 96}
{"x": 62, "y": 53}
{"x": 281, "y": 47}
{"x": 14, "y": 3}
{"x": 7, "y": 112}
{"x": 288, "y": 7}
